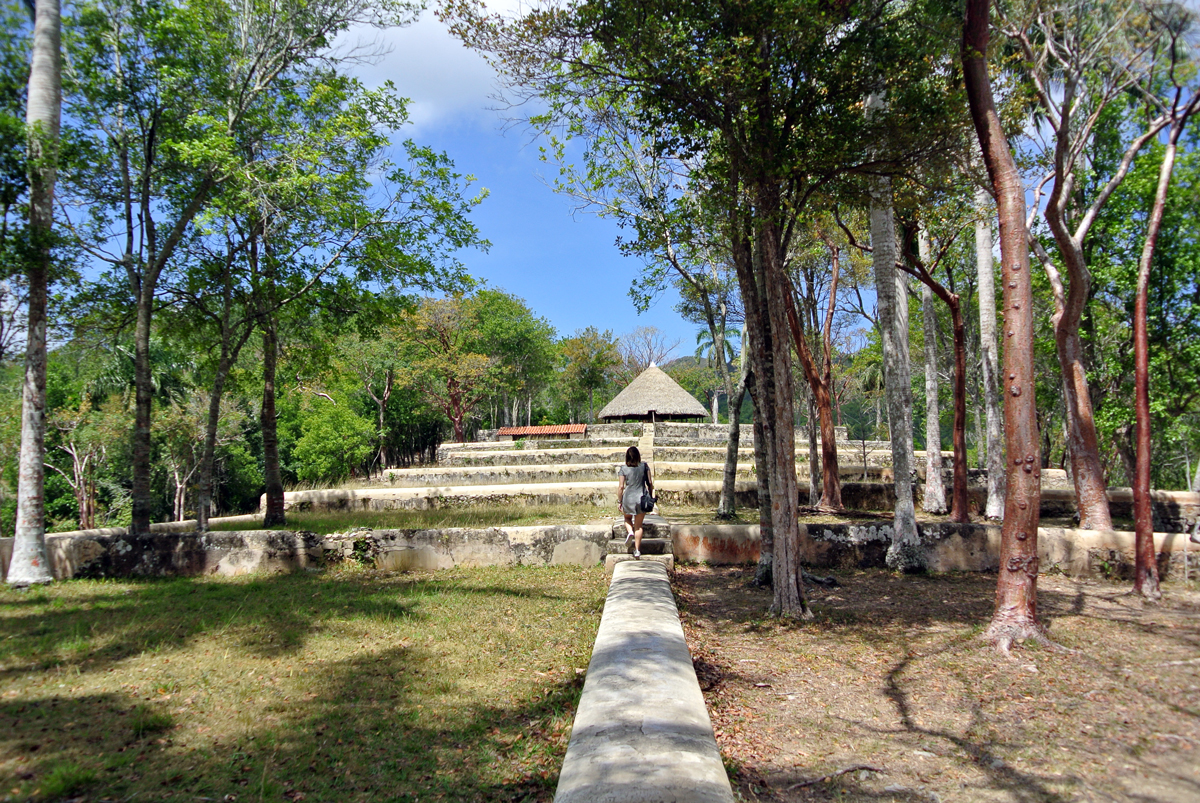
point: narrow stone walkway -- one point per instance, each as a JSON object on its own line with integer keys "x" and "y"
{"x": 642, "y": 733}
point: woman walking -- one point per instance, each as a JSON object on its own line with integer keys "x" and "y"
{"x": 633, "y": 479}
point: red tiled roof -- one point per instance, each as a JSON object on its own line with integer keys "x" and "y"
{"x": 557, "y": 429}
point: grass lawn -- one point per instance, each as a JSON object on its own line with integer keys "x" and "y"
{"x": 338, "y": 686}
{"x": 490, "y": 515}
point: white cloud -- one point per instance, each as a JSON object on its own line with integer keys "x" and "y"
{"x": 443, "y": 79}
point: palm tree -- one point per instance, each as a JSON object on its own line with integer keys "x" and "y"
{"x": 706, "y": 349}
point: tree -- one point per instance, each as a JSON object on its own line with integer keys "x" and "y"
{"x": 29, "y": 564}
{"x": 522, "y": 342}
{"x": 905, "y": 552}
{"x": 442, "y": 361}
{"x": 935, "y": 490}
{"x": 1182, "y": 105}
{"x": 802, "y": 318}
{"x": 1081, "y": 58}
{"x": 161, "y": 113}
{"x": 723, "y": 85}
{"x": 641, "y": 348}
{"x": 589, "y": 357}
{"x": 1015, "y": 616}
{"x": 989, "y": 353}
{"x": 922, "y": 269}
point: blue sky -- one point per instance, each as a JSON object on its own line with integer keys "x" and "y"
{"x": 566, "y": 266}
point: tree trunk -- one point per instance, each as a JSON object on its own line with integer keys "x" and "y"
{"x": 29, "y": 564}
{"x": 905, "y": 553}
{"x": 180, "y": 497}
{"x": 1145, "y": 572}
{"x": 814, "y": 461}
{"x": 1016, "y": 589}
{"x": 990, "y": 360}
{"x": 820, "y": 386}
{"x": 727, "y": 505}
{"x": 935, "y": 489}
{"x": 1087, "y": 472}
{"x": 143, "y": 401}
{"x": 208, "y": 456}
{"x": 778, "y": 421}
{"x": 273, "y": 513}
{"x": 960, "y": 501}
{"x": 766, "y": 542}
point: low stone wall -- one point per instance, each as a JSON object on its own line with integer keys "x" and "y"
{"x": 630, "y": 431}
{"x": 642, "y": 732}
{"x": 1172, "y": 511}
{"x": 948, "y": 547}
{"x": 92, "y": 554}
{"x": 112, "y": 553}
{"x": 516, "y": 457}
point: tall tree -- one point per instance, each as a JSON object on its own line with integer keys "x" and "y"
{"x": 935, "y": 490}
{"x": 905, "y": 552}
{"x": 1081, "y": 58}
{"x": 1183, "y": 103}
{"x": 442, "y": 360}
{"x": 29, "y": 563}
{"x": 162, "y": 113}
{"x": 589, "y": 358}
{"x": 723, "y": 84}
{"x": 1015, "y": 616}
{"x": 989, "y": 353}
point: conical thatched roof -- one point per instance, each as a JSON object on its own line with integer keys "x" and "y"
{"x": 653, "y": 396}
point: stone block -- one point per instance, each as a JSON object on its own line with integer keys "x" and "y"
{"x": 577, "y": 552}
{"x": 420, "y": 559}
{"x": 611, "y": 561}
{"x": 642, "y": 732}
{"x": 718, "y": 544}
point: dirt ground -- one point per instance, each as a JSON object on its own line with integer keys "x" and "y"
{"x": 890, "y": 694}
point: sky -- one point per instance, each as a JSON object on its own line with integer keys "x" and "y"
{"x": 564, "y": 264}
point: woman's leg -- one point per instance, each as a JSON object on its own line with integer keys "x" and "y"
{"x": 637, "y": 532}
{"x": 628, "y": 527}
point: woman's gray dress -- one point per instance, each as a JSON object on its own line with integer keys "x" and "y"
{"x": 635, "y": 485}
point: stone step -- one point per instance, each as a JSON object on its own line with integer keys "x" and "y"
{"x": 613, "y": 455}
{"x": 611, "y": 561}
{"x": 650, "y": 546}
{"x": 653, "y": 526}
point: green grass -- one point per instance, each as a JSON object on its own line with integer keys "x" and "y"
{"x": 326, "y": 522}
{"x": 336, "y": 521}
{"x": 344, "y": 685}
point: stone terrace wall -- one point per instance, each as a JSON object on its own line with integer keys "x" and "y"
{"x": 92, "y": 554}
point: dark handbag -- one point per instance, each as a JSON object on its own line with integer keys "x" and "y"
{"x": 647, "y": 502}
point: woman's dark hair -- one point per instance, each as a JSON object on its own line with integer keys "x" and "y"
{"x": 633, "y": 457}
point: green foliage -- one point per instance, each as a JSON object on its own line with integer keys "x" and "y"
{"x": 334, "y": 443}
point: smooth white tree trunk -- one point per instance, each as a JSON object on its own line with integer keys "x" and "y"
{"x": 29, "y": 563}
{"x": 905, "y": 551}
{"x": 935, "y": 489}
{"x": 990, "y": 358}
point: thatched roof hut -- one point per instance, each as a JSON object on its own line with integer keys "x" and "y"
{"x": 653, "y": 396}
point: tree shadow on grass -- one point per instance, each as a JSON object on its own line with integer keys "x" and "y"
{"x": 364, "y": 737}
{"x": 268, "y": 616}
{"x": 394, "y": 722}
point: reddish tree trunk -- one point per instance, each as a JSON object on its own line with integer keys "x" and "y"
{"x": 1145, "y": 573}
{"x": 1016, "y": 589}
{"x": 831, "y": 487}
{"x": 960, "y": 500}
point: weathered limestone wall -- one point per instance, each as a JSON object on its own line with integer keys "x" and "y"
{"x": 947, "y": 546}
{"x": 97, "y": 553}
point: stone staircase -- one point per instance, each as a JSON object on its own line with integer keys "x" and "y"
{"x": 688, "y": 462}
